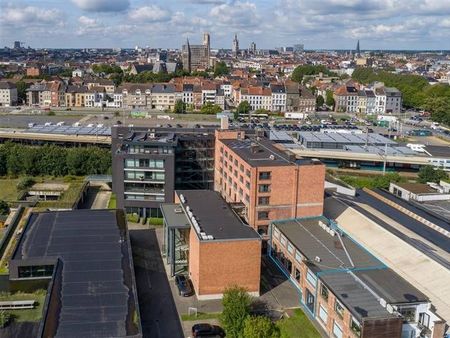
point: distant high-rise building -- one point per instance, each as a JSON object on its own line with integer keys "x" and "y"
{"x": 252, "y": 48}
{"x": 358, "y": 51}
{"x": 235, "y": 48}
{"x": 196, "y": 57}
{"x": 207, "y": 43}
{"x": 298, "y": 48}
{"x": 16, "y": 44}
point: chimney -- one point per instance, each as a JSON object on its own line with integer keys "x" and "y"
{"x": 224, "y": 123}
{"x": 254, "y": 147}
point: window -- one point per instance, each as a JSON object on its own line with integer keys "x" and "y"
{"x": 235, "y": 162}
{"x": 337, "y": 331}
{"x": 247, "y": 184}
{"x": 35, "y": 271}
{"x": 242, "y": 168}
{"x": 355, "y": 327}
{"x": 276, "y": 233}
{"x": 262, "y": 215}
{"x": 290, "y": 248}
{"x": 283, "y": 240}
{"x": 424, "y": 319}
{"x": 298, "y": 257}
{"x": 324, "y": 292}
{"x": 339, "y": 308}
{"x": 247, "y": 172}
{"x": 235, "y": 173}
{"x": 408, "y": 314}
{"x": 247, "y": 197}
{"x": 323, "y": 314}
{"x": 297, "y": 275}
{"x": 263, "y": 200}
{"x": 265, "y": 175}
{"x": 241, "y": 179}
{"x": 264, "y": 188}
{"x": 311, "y": 278}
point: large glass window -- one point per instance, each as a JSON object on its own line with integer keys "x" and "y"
{"x": 339, "y": 308}
{"x": 323, "y": 314}
{"x": 355, "y": 327}
{"x": 264, "y": 187}
{"x": 324, "y": 292}
{"x": 337, "y": 330}
{"x": 265, "y": 175}
{"x": 311, "y": 278}
{"x": 35, "y": 271}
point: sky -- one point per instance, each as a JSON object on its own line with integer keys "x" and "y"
{"x": 318, "y": 24}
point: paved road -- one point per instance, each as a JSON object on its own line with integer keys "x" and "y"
{"x": 159, "y": 316}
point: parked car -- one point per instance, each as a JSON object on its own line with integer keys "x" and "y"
{"x": 207, "y": 330}
{"x": 184, "y": 286}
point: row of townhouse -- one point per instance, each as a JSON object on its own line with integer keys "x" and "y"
{"x": 282, "y": 97}
{"x": 376, "y": 99}
{"x": 8, "y": 94}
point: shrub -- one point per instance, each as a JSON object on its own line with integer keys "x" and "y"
{"x": 25, "y": 183}
{"x": 236, "y": 308}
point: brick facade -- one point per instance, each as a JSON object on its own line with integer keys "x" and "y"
{"x": 216, "y": 265}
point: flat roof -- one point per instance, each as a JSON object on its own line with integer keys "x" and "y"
{"x": 258, "y": 152}
{"x": 174, "y": 216}
{"x": 94, "y": 292}
{"x": 372, "y": 138}
{"x": 214, "y": 216}
{"x": 313, "y": 241}
{"x": 351, "y": 272}
{"x": 438, "y": 151}
{"x": 417, "y": 188}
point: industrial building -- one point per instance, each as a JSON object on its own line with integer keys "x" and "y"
{"x": 149, "y": 164}
{"x": 200, "y": 230}
{"x": 346, "y": 289}
{"x": 264, "y": 183}
{"x": 84, "y": 259}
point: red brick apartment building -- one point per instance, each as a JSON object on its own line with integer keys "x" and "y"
{"x": 265, "y": 182}
{"x": 206, "y": 239}
{"x": 348, "y": 291}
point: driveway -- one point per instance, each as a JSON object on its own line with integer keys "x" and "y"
{"x": 159, "y": 315}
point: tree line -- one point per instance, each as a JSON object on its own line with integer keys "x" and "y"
{"x": 416, "y": 91}
{"x": 18, "y": 159}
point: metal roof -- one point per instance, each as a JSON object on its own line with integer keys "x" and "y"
{"x": 70, "y": 130}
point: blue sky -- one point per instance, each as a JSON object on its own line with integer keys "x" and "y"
{"x": 379, "y": 24}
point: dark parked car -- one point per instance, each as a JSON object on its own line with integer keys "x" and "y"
{"x": 207, "y": 330}
{"x": 184, "y": 286}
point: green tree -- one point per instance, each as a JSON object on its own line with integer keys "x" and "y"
{"x": 260, "y": 327}
{"x": 180, "y": 107}
{"x": 430, "y": 174}
{"x": 300, "y": 71}
{"x": 25, "y": 183}
{"x": 236, "y": 308}
{"x": 5, "y": 318}
{"x": 221, "y": 69}
{"x": 244, "y": 107}
{"x": 4, "y": 208}
{"x": 210, "y": 109}
{"x": 21, "y": 91}
{"x": 329, "y": 100}
{"x": 320, "y": 101}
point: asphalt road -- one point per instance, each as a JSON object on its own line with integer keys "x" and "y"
{"x": 159, "y": 315}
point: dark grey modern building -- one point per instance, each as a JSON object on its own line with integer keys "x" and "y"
{"x": 150, "y": 163}
{"x": 83, "y": 258}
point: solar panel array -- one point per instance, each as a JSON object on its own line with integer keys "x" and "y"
{"x": 339, "y": 140}
{"x": 70, "y": 130}
{"x": 95, "y": 291}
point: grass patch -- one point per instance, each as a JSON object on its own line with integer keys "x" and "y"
{"x": 133, "y": 218}
{"x": 297, "y": 326}
{"x": 200, "y": 316}
{"x": 29, "y": 315}
{"x": 68, "y": 198}
{"x": 156, "y": 221}
{"x": 372, "y": 182}
{"x": 8, "y": 189}
{"x": 112, "y": 204}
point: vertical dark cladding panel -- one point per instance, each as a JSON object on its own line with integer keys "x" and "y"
{"x": 382, "y": 328}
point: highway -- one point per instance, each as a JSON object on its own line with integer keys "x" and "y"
{"x": 409, "y": 223}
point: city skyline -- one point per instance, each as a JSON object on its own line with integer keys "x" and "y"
{"x": 334, "y": 24}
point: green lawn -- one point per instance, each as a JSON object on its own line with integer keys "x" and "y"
{"x": 112, "y": 204}
{"x": 8, "y": 189}
{"x": 297, "y": 325}
{"x": 31, "y": 315}
{"x": 200, "y": 316}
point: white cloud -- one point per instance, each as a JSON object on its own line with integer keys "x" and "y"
{"x": 29, "y": 15}
{"x": 102, "y": 5}
{"x": 242, "y": 15}
{"x": 150, "y": 13}
{"x": 87, "y": 22}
